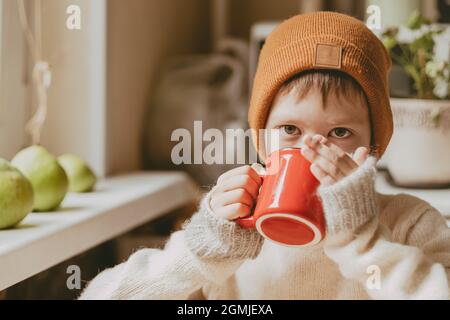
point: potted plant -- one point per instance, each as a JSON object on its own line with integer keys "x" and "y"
{"x": 419, "y": 152}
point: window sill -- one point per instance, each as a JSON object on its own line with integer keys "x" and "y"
{"x": 118, "y": 205}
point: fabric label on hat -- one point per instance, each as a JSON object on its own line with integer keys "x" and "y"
{"x": 328, "y": 56}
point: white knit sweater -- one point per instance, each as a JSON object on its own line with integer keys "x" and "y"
{"x": 377, "y": 246}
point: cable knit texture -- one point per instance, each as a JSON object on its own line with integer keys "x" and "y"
{"x": 212, "y": 237}
{"x": 351, "y": 202}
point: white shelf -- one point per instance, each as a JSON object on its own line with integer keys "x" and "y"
{"x": 438, "y": 198}
{"x": 118, "y": 205}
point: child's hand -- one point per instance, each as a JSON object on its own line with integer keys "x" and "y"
{"x": 329, "y": 162}
{"x": 235, "y": 194}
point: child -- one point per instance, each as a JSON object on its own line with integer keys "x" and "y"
{"x": 322, "y": 83}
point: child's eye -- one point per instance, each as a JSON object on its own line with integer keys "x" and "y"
{"x": 290, "y": 129}
{"x": 340, "y": 133}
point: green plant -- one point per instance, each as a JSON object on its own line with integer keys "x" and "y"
{"x": 413, "y": 48}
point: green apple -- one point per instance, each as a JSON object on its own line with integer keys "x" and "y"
{"x": 16, "y": 195}
{"x": 49, "y": 180}
{"x": 81, "y": 177}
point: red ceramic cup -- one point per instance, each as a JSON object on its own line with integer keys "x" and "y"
{"x": 288, "y": 211}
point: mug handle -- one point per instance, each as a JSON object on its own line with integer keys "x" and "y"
{"x": 248, "y": 222}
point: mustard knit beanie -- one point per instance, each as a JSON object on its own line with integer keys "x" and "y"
{"x": 324, "y": 40}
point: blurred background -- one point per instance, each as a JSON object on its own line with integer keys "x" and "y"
{"x": 136, "y": 70}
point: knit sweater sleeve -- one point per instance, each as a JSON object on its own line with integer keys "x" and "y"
{"x": 207, "y": 249}
{"x": 364, "y": 250}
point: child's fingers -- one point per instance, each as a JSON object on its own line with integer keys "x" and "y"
{"x": 321, "y": 175}
{"x": 259, "y": 168}
{"x": 337, "y": 156}
{"x": 233, "y": 211}
{"x": 243, "y": 170}
{"x": 239, "y": 181}
{"x": 325, "y": 165}
{"x": 309, "y": 141}
{"x": 330, "y": 168}
{"x": 309, "y": 154}
{"x": 328, "y": 181}
{"x": 318, "y": 139}
{"x": 360, "y": 155}
{"x": 312, "y": 140}
{"x": 234, "y": 196}
{"x": 332, "y": 152}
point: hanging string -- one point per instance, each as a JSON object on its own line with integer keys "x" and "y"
{"x": 41, "y": 74}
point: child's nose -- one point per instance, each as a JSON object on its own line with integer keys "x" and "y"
{"x": 312, "y": 138}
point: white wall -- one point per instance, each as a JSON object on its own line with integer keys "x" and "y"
{"x": 13, "y": 110}
{"x": 76, "y": 101}
{"x": 142, "y": 35}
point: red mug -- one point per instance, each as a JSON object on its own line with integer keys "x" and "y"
{"x": 288, "y": 210}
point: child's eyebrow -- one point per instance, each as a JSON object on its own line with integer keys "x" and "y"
{"x": 344, "y": 120}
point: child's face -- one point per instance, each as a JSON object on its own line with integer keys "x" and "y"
{"x": 343, "y": 121}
